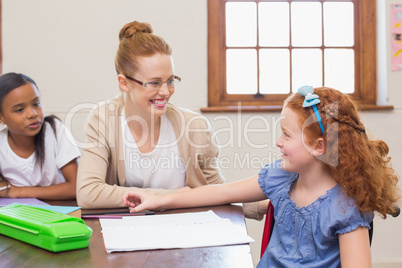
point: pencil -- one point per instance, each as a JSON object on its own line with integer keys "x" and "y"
{"x": 120, "y": 213}
{"x": 4, "y": 187}
{"x": 100, "y": 217}
{"x": 114, "y": 215}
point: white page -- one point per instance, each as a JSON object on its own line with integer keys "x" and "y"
{"x": 184, "y": 230}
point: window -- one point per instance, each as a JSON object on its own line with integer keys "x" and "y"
{"x": 261, "y": 51}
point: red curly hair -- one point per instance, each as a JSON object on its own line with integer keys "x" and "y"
{"x": 358, "y": 164}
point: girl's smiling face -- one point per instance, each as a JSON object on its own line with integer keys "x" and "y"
{"x": 296, "y": 154}
{"x": 22, "y": 112}
{"x": 142, "y": 100}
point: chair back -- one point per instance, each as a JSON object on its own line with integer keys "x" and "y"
{"x": 268, "y": 227}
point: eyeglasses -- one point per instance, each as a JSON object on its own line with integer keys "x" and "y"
{"x": 156, "y": 85}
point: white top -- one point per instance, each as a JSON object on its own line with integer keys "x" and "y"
{"x": 162, "y": 168}
{"x": 26, "y": 172}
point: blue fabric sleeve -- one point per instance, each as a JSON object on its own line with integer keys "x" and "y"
{"x": 273, "y": 179}
{"x": 351, "y": 219}
{"x": 343, "y": 215}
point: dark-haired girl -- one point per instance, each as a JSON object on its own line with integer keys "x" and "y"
{"x": 38, "y": 157}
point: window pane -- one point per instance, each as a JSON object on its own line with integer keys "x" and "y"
{"x": 339, "y": 69}
{"x": 241, "y": 24}
{"x": 338, "y": 24}
{"x": 241, "y": 71}
{"x": 306, "y": 68}
{"x": 273, "y": 24}
{"x": 274, "y": 71}
{"x": 306, "y": 24}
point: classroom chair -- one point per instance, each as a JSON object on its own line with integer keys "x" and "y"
{"x": 268, "y": 227}
{"x": 270, "y": 222}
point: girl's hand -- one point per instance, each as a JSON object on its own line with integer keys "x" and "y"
{"x": 140, "y": 201}
{"x": 4, "y": 185}
{"x": 182, "y": 189}
{"x": 10, "y": 192}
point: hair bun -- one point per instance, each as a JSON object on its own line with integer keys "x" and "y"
{"x": 134, "y": 27}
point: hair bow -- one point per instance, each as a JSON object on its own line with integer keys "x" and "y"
{"x": 311, "y": 100}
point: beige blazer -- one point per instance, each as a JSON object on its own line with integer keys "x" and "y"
{"x": 101, "y": 175}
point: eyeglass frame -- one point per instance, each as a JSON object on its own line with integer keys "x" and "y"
{"x": 145, "y": 84}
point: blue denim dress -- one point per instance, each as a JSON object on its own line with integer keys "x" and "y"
{"x": 306, "y": 236}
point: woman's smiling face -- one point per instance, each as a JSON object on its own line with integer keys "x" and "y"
{"x": 142, "y": 100}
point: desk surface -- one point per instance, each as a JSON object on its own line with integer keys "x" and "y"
{"x": 14, "y": 253}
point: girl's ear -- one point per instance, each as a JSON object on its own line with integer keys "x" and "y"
{"x": 122, "y": 82}
{"x": 319, "y": 147}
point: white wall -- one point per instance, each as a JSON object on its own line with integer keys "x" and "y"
{"x": 68, "y": 48}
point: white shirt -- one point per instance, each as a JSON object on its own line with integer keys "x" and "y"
{"x": 162, "y": 168}
{"x": 26, "y": 172}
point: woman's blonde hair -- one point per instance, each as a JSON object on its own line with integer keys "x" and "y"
{"x": 137, "y": 40}
{"x": 358, "y": 164}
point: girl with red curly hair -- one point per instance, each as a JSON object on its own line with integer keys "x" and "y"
{"x": 330, "y": 180}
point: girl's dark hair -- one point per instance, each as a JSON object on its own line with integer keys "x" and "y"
{"x": 11, "y": 81}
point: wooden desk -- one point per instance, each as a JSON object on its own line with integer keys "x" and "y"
{"x": 14, "y": 253}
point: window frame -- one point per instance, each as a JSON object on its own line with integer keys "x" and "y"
{"x": 365, "y": 62}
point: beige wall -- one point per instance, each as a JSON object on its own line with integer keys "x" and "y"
{"x": 68, "y": 47}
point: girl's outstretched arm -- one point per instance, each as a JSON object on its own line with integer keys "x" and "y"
{"x": 247, "y": 190}
{"x": 62, "y": 191}
{"x": 355, "y": 248}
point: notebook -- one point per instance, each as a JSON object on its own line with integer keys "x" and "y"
{"x": 34, "y": 202}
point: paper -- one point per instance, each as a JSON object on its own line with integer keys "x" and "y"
{"x": 25, "y": 201}
{"x": 184, "y": 230}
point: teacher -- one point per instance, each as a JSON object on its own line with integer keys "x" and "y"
{"x": 138, "y": 139}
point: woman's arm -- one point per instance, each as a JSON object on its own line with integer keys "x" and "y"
{"x": 247, "y": 190}
{"x": 65, "y": 190}
{"x": 355, "y": 248}
{"x": 205, "y": 157}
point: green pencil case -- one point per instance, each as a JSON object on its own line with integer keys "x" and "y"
{"x": 50, "y": 230}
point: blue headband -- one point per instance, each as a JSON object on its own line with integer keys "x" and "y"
{"x": 311, "y": 100}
